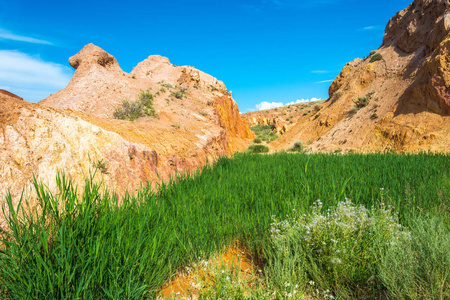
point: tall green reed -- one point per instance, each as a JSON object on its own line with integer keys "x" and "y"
{"x": 90, "y": 246}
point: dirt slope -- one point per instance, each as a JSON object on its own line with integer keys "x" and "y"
{"x": 73, "y": 130}
{"x": 408, "y": 91}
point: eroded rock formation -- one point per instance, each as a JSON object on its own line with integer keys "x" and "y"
{"x": 407, "y": 86}
{"x": 74, "y": 130}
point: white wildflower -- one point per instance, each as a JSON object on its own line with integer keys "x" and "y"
{"x": 336, "y": 260}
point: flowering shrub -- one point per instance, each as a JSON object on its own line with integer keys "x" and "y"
{"x": 336, "y": 248}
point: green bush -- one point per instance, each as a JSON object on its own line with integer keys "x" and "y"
{"x": 258, "y": 149}
{"x": 376, "y": 57}
{"x": 146, "y": 98}
{"x": 336, "y": 249}
{"x": 298, "y": 147}
{"x": 362, "y": 101}
{"x": 128, "y": 111}
{"x": 131, "y": 110}
{"x": 166, "y": 85}
{"x": 257, "y": 141}
{"x": 177, "y": 95}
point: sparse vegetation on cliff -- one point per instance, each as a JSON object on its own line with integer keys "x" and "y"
{"x": 179, "y": 94}
{"x": 166, "y": 85}
{"x": 298, "y": 147}
{"x": 264, "y": 133}
{"x": 376, "y": 57}
{"x": 361, "y": 102}
{"x": 131, "y": 110}
{"x": 317, "y": 107}
{"x": 336, "y": 96}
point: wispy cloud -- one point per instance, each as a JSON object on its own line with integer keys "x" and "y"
{"x": 7, "y": 35}
{"x": 320, "y": 72}
{"x": 31, "y": 77}
{"x": 370, "y": 28}
{"x": 325, "y": 81}
{"x": 269, "y": 105}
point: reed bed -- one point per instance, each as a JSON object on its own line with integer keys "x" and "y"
{"x": 91, "y": 247}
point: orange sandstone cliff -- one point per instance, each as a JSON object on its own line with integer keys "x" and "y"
{"x": 406, "y": 85}
{"x": 74, "y": 130}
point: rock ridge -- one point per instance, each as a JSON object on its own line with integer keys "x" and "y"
{"x": 406, "y": 89}
{"x": 74, "y": 130}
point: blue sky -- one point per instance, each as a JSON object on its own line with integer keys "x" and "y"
{"x": 266, "y": 51}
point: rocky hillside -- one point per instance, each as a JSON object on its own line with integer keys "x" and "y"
{"x": 195, "y": 121}
{"x": 282, "y": 119}
{"x": 395, "y": 99}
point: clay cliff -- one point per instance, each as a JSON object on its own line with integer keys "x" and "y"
{"x": 74, "y": 131}
{"x": 395, "y": 99}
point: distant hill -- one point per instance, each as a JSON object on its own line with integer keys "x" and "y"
{"x": 283, "y": 118}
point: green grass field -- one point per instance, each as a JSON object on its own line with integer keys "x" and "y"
{"x": 91, "y": 247}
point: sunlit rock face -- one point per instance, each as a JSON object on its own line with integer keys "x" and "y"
{"x": 74, "y": 130}
{"x": 407, "y": 85}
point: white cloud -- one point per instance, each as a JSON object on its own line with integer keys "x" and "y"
{"x": 266, "y": 105}
{"x": 269, "y": 105}
{"x": 298, "y": 101}
{"x": 324, "y": 81}
{"x": 31, "y": 77}
{"x": 320, "y": 72}
{"x": 7, "y": 35}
